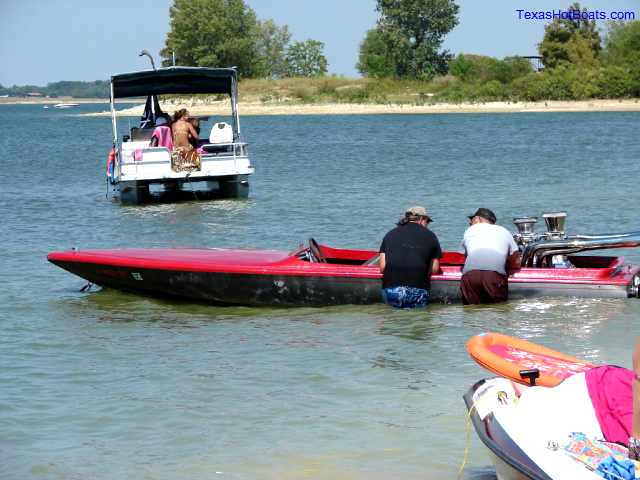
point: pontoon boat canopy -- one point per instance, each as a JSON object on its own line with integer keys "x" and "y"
{"x": 180, "y": 80}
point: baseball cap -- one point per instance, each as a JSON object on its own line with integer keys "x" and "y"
{"x": 418, "y": 211}
{"x": 484, "y": 213}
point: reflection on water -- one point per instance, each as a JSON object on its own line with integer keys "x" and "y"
{"x": 411, "y": 326}
{"x": 486, "y": 473}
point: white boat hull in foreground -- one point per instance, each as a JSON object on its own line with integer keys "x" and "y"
{"x": 527, "y": 443}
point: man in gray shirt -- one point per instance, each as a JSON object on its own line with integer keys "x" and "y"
{"x": 489, "y": 249}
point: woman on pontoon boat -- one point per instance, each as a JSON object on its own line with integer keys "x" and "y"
{"x": 183, "y": 131}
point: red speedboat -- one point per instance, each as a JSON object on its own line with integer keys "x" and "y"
{"x": 321, "y": 275}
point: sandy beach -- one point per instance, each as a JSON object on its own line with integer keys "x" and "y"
{"x": 258, "y": 108}
{"x": 198, "y": 107}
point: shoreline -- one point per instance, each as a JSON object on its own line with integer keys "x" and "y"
{"x": 248, "y": 108}
{"x": 53, "y": 101}
{"x": 256, "y": 108}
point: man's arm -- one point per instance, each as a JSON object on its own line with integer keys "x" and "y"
{"x": 383, "y": 262}
{"x": 514, "y": 261}
{"x": 435, "y": 266}
{"x": 192, "y": 132}
{"x": 515, "y": 257}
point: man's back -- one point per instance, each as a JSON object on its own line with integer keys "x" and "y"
{"x": 409, "y": 251}
{"x": 487, "y": 247}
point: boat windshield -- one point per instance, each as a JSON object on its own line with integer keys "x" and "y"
{"x": 301, "y": 252}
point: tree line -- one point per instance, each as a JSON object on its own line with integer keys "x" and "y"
{"x": 225, "y": 33}
{"x": 404, "y": 46}
{"x": 76, "y": 89}
{"x": 578, "y": 64}
{"x": 406, "y": 43}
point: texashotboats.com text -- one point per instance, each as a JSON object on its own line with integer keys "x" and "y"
{"x": 523, "y": 14}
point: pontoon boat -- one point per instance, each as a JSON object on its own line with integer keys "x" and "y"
{"x": 140, "y": 172}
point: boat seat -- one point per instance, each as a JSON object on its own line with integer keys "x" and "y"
{"x": 141, "y": 133}
{"x": 217, "y": 149}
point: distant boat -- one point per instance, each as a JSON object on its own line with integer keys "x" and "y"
{"x": 65, "y": 105}
{"x": 4, "y": 96}
{"x": 135, "y": 167}
{"x": 46, "y": 106}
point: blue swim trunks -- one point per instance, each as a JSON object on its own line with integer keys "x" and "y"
{"x": 406, "y": 297}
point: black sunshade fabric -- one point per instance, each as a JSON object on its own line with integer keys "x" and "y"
{"x": 170, "y": 80}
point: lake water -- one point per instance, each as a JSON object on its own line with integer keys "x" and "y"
{"x": 107, "y": 385}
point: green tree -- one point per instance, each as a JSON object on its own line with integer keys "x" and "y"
{"x": 462, "y": 67}
{"x": 212, "y": 33}
{"x": 481, "y": 69}
{"x": 413, "y": 31}
{"x": 271, "y": 44}
{"x": 573, "y": 38}
{"x": 622, "y": 44}
{"x": 617, "y": 82}
{"x": 306, "y": 59}
{"x": 581, "y": 52}
{"x": 375, "y": 59}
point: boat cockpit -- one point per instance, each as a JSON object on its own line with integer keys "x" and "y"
{"x": 552, "y": 249}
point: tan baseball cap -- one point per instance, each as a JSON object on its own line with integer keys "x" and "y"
{"x": 418, "y": 211}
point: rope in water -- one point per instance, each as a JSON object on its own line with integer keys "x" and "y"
{"x": 465, "y": 456}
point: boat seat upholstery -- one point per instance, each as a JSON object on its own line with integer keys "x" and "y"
{"x": 217, "y": 149}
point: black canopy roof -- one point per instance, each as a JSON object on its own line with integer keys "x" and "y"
{"x": 182, "y": 80}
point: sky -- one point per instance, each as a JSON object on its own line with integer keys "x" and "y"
{"x": 45, "y": 41}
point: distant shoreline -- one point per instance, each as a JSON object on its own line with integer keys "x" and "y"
{"x": 198, "y": 107}
{"x": 255, "y": 108}
{"x": 50, "y": 101}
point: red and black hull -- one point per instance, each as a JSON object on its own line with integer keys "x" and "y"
{"x": 232, "y": 288}
{"x": 244, "y": 277}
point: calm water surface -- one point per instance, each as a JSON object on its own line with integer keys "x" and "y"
{"x": 108, "y": 385}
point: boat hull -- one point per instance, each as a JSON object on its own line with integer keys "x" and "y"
{"x": 504, "y": 471}
{"x": 233, "y": 288}
{"x": 135, "y": 192}
{"x": 510, "y": 461}
{"x": 275, "y": 278}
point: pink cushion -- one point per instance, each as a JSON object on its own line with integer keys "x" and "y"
{"x": 610, "y": 389}
{"x": 163, "y": 134}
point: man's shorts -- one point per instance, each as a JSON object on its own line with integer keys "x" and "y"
{"x": 406, "y": 297}
{"x": 483, "y": 286}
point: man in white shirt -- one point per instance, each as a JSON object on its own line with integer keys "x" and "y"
{"x": 489, "y": 251}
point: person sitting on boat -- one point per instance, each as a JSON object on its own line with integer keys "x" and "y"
{"x": 183, "y": 131}
{"x": 408, "y": 255}
{"x": 164, "y": 119}
{"x": 489, "y": 249}
{"x": 162, "y": 136}
{"x": 195, "y": 122}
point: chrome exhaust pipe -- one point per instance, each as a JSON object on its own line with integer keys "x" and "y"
{"x": 634, "y": 286}
{"x": 534, "y": 253}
